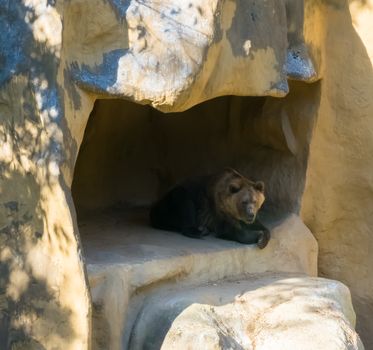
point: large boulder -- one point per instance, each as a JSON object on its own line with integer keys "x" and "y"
{"x": 174, "y": 55}
{"x": 263, "y": 312}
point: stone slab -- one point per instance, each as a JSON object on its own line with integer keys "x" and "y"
{"x": 262, "y": 312}
{"x": 127, "y": 259}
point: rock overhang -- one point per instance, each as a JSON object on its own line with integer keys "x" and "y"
{"x": 175, "y": 55}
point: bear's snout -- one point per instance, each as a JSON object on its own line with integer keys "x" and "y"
{"x": 249, "y": 212}
{"x": 250, "y": 217}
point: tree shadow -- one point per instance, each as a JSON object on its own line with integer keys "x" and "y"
{"x": 36, "y": 247}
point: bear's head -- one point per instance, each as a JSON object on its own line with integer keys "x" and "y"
{"x": 236, "y": 197}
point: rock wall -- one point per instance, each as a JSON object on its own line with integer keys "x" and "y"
{"x": 44, "y": 298}
{"x": 58, "y": 57}
{"x": 338, "y": 203}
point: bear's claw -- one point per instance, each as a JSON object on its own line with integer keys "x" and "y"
{"x": 264, "y": 239}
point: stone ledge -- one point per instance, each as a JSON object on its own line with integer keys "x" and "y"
{"x": 127, "y": 260}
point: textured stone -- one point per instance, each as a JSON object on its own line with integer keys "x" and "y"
{"x": 127, "y": 260}
{"x": 174, "y": 55}
{"x": 337, "y": 203}
{"x": 44, "y": 295}
{"x": 168, "y": 54}
{"x": 261, "y": 312}
{"x": 58, "y": 57}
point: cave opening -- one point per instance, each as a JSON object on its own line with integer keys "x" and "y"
{"x": 132, "y": 154}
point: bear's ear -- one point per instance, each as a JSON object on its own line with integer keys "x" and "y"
{"x": 259, "y": 185}
{"x": 231, "y": 171}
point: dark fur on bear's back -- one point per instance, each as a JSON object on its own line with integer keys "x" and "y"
{"x": 224, "y": 204}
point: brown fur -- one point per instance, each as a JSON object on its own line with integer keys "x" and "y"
{"x": 225, "y": 204}
{"x": 230, "y": 191}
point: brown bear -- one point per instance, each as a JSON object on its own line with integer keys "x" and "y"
{"x": 225, "y": 204}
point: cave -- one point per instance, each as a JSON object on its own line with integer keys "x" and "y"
{"x": 131, "y": 154}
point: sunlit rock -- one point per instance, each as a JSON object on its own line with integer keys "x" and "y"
{"x": 65, "y": 152}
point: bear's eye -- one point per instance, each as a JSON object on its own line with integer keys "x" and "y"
{"x": 234, "y": 188}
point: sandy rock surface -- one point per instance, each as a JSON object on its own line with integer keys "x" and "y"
{"x": 127, "y": 261}
{"x": 261, "y": 312}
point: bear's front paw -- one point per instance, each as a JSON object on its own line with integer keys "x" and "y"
{"x": 192, "y": 232}
{"x": 264, "y": 239}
